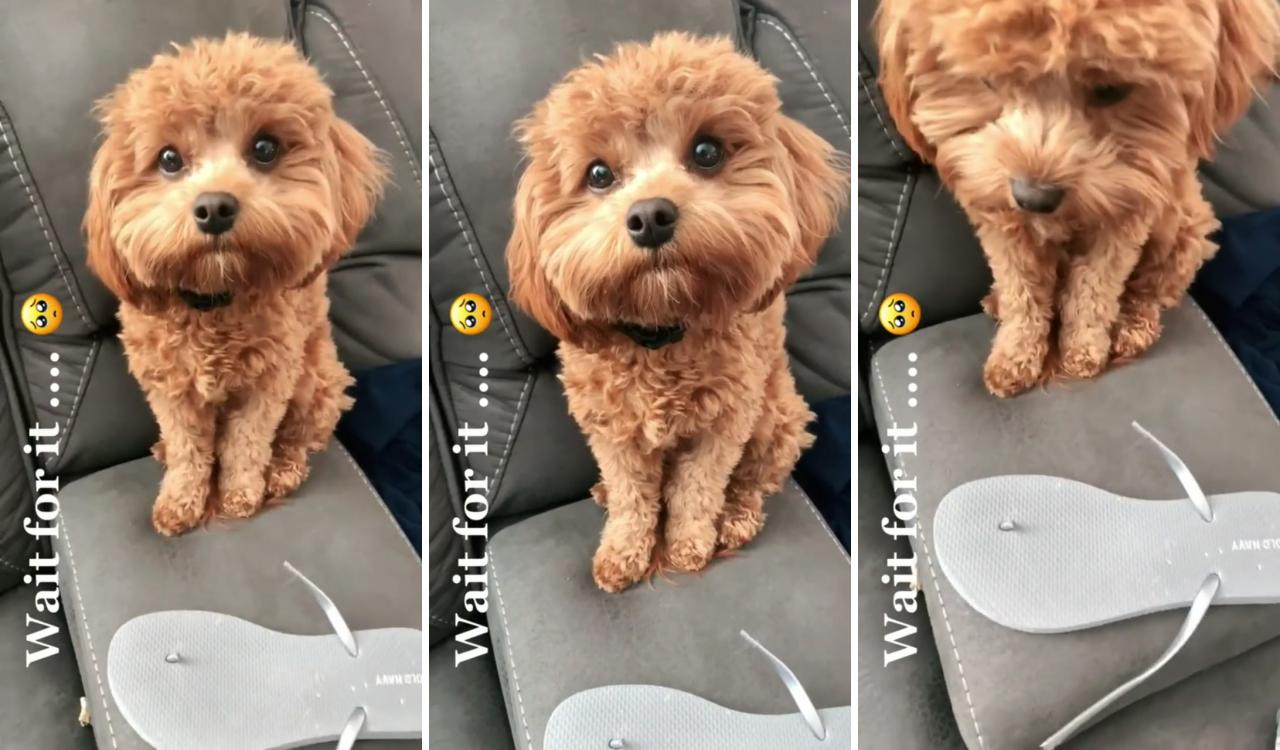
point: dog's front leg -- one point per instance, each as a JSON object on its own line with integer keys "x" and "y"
{"x": 244, "y": 441}
{"x": 634, "y": 481}
{"x": 696, "y": 492}
{"x": 1025, "y": 274}
{"x": 187, "y": 425}
{"x": 1090, "y": 297}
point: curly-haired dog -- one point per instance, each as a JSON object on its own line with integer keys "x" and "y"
{"x": 1069, "y": 131}
{"x": 224, "y": 190}
{"x": 666, "y": 206}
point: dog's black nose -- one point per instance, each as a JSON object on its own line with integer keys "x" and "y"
{"x": 216, "y": 212}
{"x": 652, "y": 222}
{"x": 1036, "y": 197}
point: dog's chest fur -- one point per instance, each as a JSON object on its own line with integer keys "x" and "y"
{"x": 214, "y": 355}
{"x": 653, "y": 400}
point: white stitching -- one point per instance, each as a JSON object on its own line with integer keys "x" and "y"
{"x": 511, "y": 658}
{"x": 475, "y": 257}
{"x": 889, "y": 251}
{"x": 440, "y": 620}
{"x": 1239, "y": 365}
{"x": 408, "y": 154}
{"x": 88, "y": 637}
{"x": 871, "y": 99}
{"x": 821, "y": 521}
{"x": 937, "y": 590}
{"x": 44, "y": 228}
{"x": 377, "y": 499}
{"x": 813, "y": 73}
{"x": 10, "y": 565}
{"x": 506, "y": 451}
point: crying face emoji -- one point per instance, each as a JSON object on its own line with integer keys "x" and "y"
{"x": 900, "y": 314}
{"x": 470, "y": 314}
{"x": 42, "y": 314}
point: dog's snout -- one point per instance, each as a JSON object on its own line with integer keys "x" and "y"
{"x": 652, "y": 222}
{"x": 215, "y": 212}
{"x": 1036, "y": 197}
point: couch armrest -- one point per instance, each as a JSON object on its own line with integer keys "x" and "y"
{"x": 555, "y": 634}
{"x": 1189, "y": 390}
{"x": 334, "y": 529}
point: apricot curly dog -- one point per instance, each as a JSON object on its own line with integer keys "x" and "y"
{"x": 666, "y": 206}
{"x": 1069, "y": 131}
{"x": 224, "y": 190}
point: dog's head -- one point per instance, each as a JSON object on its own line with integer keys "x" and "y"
{"x": 224, "y": 168}
{"x": 664, "y": 186}
{"x": 1065, "y": 113}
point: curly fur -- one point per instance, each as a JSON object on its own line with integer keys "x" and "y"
{"x": 242, "y": 393}
{"x": 992, "y": 90}
{"x": 695, "y": 434}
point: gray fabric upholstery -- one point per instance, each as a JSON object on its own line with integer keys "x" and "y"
{"x": 1189, "y": 390}
{"x": 555, "y": 633}
{"x": 39, "y": 705}
{"x": 334, "y": 530}
{"x": 467, "y": 712}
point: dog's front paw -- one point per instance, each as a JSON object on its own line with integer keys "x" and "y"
{"x": 1085, "y": 351}
{"x": 285, "y": 474}
{"x": 738, "y": 526}
{"x": 1135, "y": 333}
{"x": 1008, "y": 374}
{"x": 690, "y": 547}
{"x": 239, "y": 502}
{"x": 617, "y": 566}
{"x": 176, "y": 511}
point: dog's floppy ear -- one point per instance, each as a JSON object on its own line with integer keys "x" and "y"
{"x": 891, "y": 22}
{"x": 818, "y": 183}
{"x": 359, "y": 177}
{"x": 102, "y": 254}
{"x": 530, "y": 288}
{"x": 1248, "y": 43}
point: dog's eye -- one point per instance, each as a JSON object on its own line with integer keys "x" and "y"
{"x": 707, "y": 152}
{"x": 599, "y": 175}
{"x": 1108, "y": 94}
{"x": 265, "y": 150}
{"x": 170, "y": 161}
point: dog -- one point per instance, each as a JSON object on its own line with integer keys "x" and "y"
{"x": 666, "y": 205}
{"x": 224, "y": 189}
{"x": 1069, "y": 132}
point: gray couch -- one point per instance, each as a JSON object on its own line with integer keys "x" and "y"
{"x": 550, "y": 632}
{"x": 56, "y": 58}
{"x": 973, "y": 683}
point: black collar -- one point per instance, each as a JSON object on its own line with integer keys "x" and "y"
{"x": 651, "y": 338}
{"x": 202, "y": 302}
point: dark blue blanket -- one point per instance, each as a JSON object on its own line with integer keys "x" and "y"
{"x": 824, "y": 471}
{"x": 1240, "y": 291}
{"x": 383, "y": 431}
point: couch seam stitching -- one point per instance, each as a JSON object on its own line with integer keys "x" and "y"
{"x": 44, "y": 228}
{"x": 884, "y": 127}
{"x": 937, "y": 590}
{"x": 1235, "y": 358}
{"x": 88, "y": 636}
{"x": 395, "y": 126}
{"x": 378, "y": 499}
{"x": 506, "y": 636}
{"x": 10, "y": 565}
{"x": 500, "y": 475}
{"x": 769, "y": 21}
{"x": 890, "y": 248}
{"x": 475, "y": 258}
{"x": 821, "y": 521}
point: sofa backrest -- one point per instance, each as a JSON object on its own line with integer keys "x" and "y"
{"x": 58, "y": 57}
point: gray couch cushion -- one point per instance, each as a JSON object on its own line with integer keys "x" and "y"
{"x": 334, "y": 530}
{"x": 1189, "y": 390}
{"x": 467, "y": 712}
{"x": 39, "y": 704}
{"x": 555, "y": 634}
